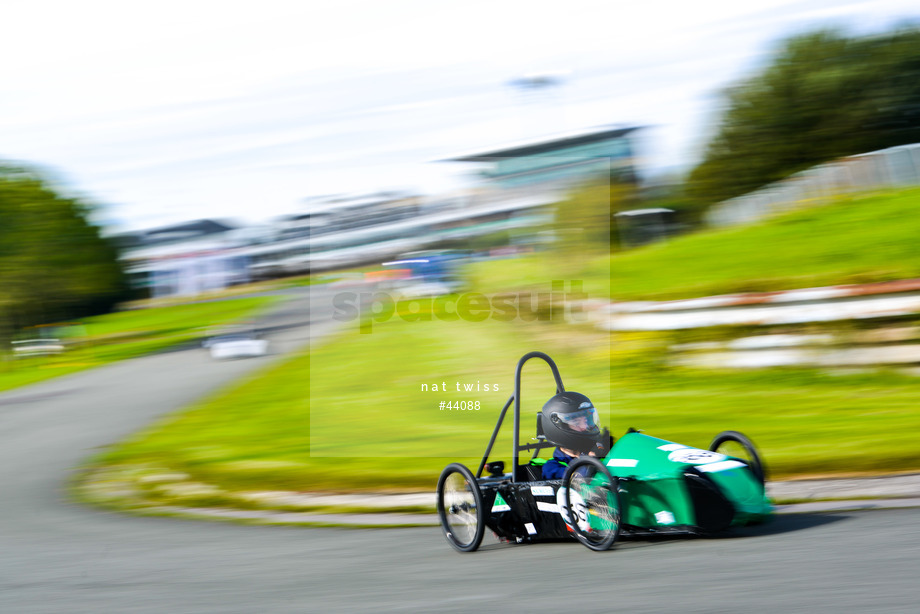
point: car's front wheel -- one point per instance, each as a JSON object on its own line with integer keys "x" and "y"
{"x": 460, "y": 508}
{"x": 592, "y": 503}
{"x": 737, "y": 445}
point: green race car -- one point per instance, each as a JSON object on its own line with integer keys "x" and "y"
{"x": 635, "y": 485}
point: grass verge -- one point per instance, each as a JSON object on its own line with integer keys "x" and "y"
{"x": 354, "y": 416}
{"x": 127, "y": 334}
{"x": 856, "y": 239}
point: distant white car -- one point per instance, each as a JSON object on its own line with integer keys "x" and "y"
{"x": 37, "y": 347}
{"x": 236, "y": 345}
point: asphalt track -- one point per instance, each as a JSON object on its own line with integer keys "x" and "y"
{"x": 59, "y": 556}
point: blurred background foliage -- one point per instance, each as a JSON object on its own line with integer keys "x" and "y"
{"x": 54, "y": 264}
{"x": 582, "y": 221}
{"x": 823, "y": 95}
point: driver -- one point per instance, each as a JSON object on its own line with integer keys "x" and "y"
{"x": 570, "y": 421}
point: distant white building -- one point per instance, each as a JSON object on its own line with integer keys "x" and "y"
{"x": 185, "y": 259}
{"x": 340, "y": 232}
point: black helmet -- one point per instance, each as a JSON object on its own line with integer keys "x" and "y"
{"x": 570, "y": 420}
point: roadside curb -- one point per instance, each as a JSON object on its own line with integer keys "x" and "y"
{"x": 879, "y": 486}
{"x": 376, "y": 520}
{"x": 846, "y": 506}
{"x": 383, "y": 520}
{"x": 379, "y": 510}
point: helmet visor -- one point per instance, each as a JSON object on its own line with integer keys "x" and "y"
{"x": 584, "y": 421}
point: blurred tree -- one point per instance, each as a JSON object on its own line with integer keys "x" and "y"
{"x": 54, "y": 265}
{"x": 824, "y": 96}
{"x": 669, "y": 191}
{"x": 583, "y": 223}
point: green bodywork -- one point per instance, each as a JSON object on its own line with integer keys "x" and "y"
{"x": 654, "y": 491}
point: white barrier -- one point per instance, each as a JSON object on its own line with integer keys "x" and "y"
{"x": 878, "y": 342}
{"x": 892, "y": 167}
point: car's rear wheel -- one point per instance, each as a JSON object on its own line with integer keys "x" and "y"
{"x": 460, "y": 508}
{"x": 737, "y": 445}
{"x": 592, "y": 503}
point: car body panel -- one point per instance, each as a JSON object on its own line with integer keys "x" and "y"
{"x": 653, "y": 471}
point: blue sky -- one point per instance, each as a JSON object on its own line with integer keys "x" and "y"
{"x": 167, "y": 111}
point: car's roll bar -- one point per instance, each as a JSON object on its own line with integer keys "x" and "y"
{"x": 516, "y": 398}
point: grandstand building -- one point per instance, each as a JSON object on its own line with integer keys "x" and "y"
{"x": 518, "y": 183}
{"x": 558, "y": 163}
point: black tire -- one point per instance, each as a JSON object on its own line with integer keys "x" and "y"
{"x": 596, "y": 508}
{"x": 722, "y": 444}
{"x": 460, "y": 508}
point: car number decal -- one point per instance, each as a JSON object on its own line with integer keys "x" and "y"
{"x": 693, "y": 456}
{"x": 580, "y": 510}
